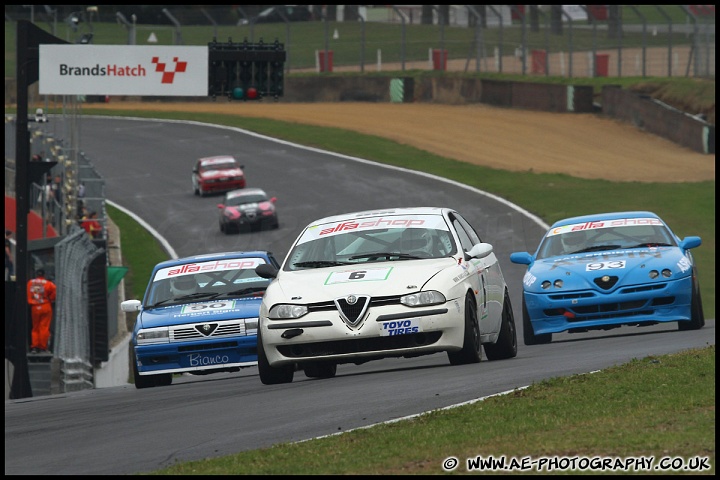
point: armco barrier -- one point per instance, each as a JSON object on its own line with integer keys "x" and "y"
{"x": 659, "y": 119}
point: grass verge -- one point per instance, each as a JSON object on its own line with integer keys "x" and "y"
{"x": 649, "y": 407}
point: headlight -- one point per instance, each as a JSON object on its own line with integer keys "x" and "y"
{"x": 422, "y": 299}
{"x": 154, "y": 335}
{"x": 250, "y": 324}
{"x": 285, "y": 311}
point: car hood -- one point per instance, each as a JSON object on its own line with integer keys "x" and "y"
{"x": 630, "y": 266}
{"x": 211, "y": 174}
{"x": 374, "y": 279}
{"x": 201, "y": 311}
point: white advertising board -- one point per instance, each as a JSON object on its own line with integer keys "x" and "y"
{"x": 123, "y": 70}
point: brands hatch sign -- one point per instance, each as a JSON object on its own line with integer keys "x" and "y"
{"x": 126, "y": 70}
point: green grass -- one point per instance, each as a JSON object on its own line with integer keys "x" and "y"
{"x": 648, "y": 407}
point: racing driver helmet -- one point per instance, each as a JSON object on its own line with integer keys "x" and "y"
{"x": 573, "y": 241}
{"x": 418, "y": 241}
{"x": 184, "y": 285}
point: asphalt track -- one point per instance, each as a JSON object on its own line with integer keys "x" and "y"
{"x": 120, "y": 430}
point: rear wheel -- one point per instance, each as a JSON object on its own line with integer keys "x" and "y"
{"x": 272, "y": 375}
{"x": 472, "y": 348}
{"x": 529, "y": 334}
{"x": 320, "y": 370}
{"x": 506, "y": 344}
{"x": 148, "y": 381}
{"x": 697, "y": 316}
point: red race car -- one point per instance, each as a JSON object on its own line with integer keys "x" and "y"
{"x": 217, "y": 174}
{"x": 249, "y": 209}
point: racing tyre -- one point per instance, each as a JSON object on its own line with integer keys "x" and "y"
{"x": 472, "y": 348}
{"x": 506, "y": 344}
{"x": 529, "y": 334}
{"x": 148, "y": 381}
{"x": 697, "y": 317}
{"x": 272, "y": 375}
{"x": 320, "y": 370}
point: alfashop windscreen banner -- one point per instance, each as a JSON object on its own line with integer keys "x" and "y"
{"x": 123, "y": 70}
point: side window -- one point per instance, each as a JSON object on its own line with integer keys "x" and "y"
{"x": 469, "y": 230}
{"x": 462, "y": 235}
{"x": 466, "y": 233}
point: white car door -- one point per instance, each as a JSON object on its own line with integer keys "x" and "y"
{"x": 490, "y": 292}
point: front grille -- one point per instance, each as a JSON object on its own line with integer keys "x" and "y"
{"x": 609, "y": 307}
{"x": 227, "y": 328}
{"x": 206, "y": 347}
{"x": 352, "y": 314}
{"x": 607, "y": 316}
{"x": 572, "y": 295}
{"x": 643, "y": 288}
{"x": 359, "y": 345}
{"x": 606, "y": 284}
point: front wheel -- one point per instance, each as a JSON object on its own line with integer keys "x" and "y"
{"x": 472, "y": 348}
{"x": 506, "y": 344}
{"x": 272, "y": 375}
{"x": 529, "y": 334}
{"x": 697, "y": 316}
{"x": 149, "y": 381}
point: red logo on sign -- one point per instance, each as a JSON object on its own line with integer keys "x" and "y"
{"x": 169, "y": 76}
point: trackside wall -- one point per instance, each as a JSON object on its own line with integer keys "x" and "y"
{"x": 639, "y": 110}
{"x": 659, "y": 119}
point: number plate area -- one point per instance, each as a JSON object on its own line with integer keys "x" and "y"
{"x": 400, "y": 327}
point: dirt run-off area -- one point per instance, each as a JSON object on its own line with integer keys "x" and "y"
{"x": 582, "y": 145}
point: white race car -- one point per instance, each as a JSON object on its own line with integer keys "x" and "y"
{"x": 399, "y": 282}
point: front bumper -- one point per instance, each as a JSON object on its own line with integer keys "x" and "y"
{"x": 221, "y": 186}
{"x": 193, "y": 356}
{"x": 592, "y": 310}
{"x": 388, "y": 331}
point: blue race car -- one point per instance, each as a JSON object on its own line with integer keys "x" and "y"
{"x": 602, "y": 271}
{"x": 199, "y": 315}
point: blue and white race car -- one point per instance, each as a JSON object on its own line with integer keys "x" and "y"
{"x": 602, "y": 271}
{"x": 199, "y": 315}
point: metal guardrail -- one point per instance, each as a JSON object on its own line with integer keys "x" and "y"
{"x": 86, "y": 324}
